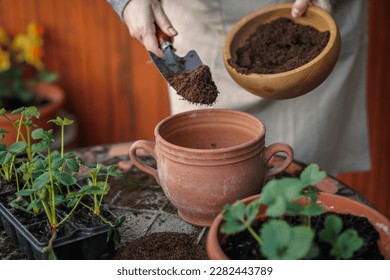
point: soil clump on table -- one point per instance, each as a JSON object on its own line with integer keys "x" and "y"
{"x": 163, "y": 246}
{"x": 279, "y": 46}
{"x": 196, "y": 86}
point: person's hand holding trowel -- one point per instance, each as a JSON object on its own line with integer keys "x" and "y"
{"x": 191, "y": 79}
{"x": 141, "y": 16}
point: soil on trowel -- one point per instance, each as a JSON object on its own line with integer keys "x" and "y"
{"x": 196, "y": 86}
{"x": 279, "y": 46}
{"x": 163, "y": 246}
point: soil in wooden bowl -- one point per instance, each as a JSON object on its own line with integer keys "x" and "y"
{"x": 196, "y": 86}
{"x": 163, "y": 246}
{"x": 243, "y": 246}
{"x": 279, "y": 46}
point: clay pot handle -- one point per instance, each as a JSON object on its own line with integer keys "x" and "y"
{"x": 272, "y": 150}
{"x": 147, "y": 146}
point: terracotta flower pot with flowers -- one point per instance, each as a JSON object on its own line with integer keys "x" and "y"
{"x": 24, "y": 81}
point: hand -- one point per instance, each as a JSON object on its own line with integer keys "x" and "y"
{"x": 141, "y": 16}
{"x": 300, "y": 6}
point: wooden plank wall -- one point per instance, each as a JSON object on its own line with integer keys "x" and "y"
{"x": 117, "y": 95}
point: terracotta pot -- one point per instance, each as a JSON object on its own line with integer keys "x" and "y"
{"x": 208, "y": 158}
{"x": 56, "y": 97}
{"x": 331, "y": 203}
{"x": 291, "y": 83}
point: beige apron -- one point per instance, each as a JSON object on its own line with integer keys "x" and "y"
{"x": 327, "y": 126}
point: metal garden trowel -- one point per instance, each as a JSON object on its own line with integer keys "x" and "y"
{"x": 171, "y": 64}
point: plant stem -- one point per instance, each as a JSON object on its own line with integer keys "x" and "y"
{"x": 47, "y": 211}
{"x": 105, "y": 185}
{"x": 71, "y": 211}
{"x": 62, "y": 145}
{"x": 52, "y": 192}
{"x": 255, "y": 235}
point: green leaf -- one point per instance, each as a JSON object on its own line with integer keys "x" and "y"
{"x": 234, "y": 212}
{"x": 277, "y": 208}
{"x": 72, "y": 165}
{"x": 347, "y": 244}
{"x": 72, "y": 202}
{"x": 119, "y": 221}
{"x": 283, "y": 242}
{"x": 18, "y": 147}
{"x": 287, "y": 189}
{"x": 312, "y": 175}
{"x": 25, "y": 192}
{"x": 112, "y": 171}
{"x": 65, "y": 179}
{"x": 58, "y": 199}
{"x": 57, "y": 163}
{"x": 239, "y": 216}
{"x": 60, "y": 122}
{"x": 232, "y": 227}
{"x": 313, "y": 209}
{"x": 90, "y": 189}
{"x": 5, "y": 157}
{"x": 41, "y": 181}
{"x": 38, "y": 133}
{"x": 332, "y": 227}
{"x": 3, "y": 147}
{"x": 36, "y": 203}
{"x": 251, "y": 211}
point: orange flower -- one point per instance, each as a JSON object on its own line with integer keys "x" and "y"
{"x": 35, "y": 29}
{"x": 33, "y": 56}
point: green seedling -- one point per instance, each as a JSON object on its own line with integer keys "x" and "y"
{"x": 98, "y": 189}
{"x": 26, "y": 120}
{"x": 45, "y": 183}
{"x": 276, "y": 238}
{"x": 344, "y": 243}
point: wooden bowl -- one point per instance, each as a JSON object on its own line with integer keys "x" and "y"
{"x": 291, "y": 83}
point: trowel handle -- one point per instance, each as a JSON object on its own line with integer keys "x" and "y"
{"x": 162, "y": 38}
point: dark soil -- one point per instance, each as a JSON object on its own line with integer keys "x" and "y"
{"x": 196, "y": 86}
{"x": 41, "y": 231}
{"x": 7, "y": 186}
{"x": 279, "y": 46}
{"x": 243, "y": 246}
{"x": 84, "y": 218}
{"x": 163, "y": 246}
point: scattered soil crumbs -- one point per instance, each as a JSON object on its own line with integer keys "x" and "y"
{"x": 163, "y": 246}
{"x": 196, "y": 86}
{"x": 279, "y": 46}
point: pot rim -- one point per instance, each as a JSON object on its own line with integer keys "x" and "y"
{"x": 260, "y": 138}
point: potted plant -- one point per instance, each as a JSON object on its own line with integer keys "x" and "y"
{"x": 23, "y": 79}
{"x": 40, "y": 194}
{"x": 290, "y": 219}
